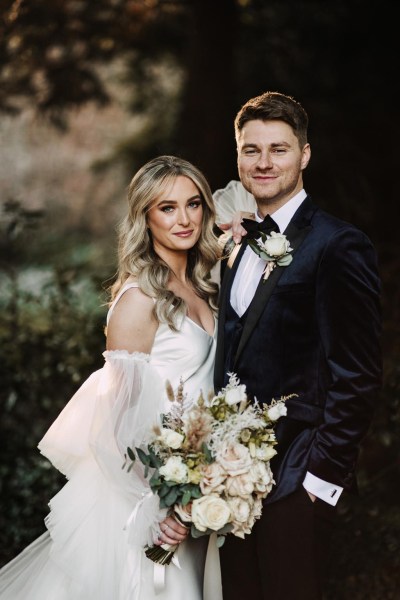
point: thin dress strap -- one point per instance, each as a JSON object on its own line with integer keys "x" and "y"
{"x": 124, "y": 288}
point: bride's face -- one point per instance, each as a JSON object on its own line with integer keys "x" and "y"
{"x": 175, "y": 219}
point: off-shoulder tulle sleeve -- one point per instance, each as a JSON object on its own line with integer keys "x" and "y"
{"x": 230, "y": 199}
{"x": 115, "y": 408}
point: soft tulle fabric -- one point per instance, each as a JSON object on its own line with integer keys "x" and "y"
{"x": 232, "y": 198}
{"x": 103, "y": 517}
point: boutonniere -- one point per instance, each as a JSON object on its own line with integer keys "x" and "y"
{"x": 274, "y": 248}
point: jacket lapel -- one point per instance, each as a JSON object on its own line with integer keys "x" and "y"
{"x": 226, "y": 285}
{"x": 296, "y": 232}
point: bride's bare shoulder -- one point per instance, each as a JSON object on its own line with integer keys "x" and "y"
{"x": 132, "y": 325}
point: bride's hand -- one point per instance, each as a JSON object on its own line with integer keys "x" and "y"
{"x": 172, "y": 532}
{"x": 237, "y": 230}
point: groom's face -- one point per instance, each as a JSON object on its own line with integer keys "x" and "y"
{"x": 270, "y": 161}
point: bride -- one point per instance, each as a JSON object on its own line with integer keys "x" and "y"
{"x": 161, "y": 325}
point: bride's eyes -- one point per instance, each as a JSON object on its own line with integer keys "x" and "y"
{"x": 195, "y": 204}
{"x": 169, "y": 208}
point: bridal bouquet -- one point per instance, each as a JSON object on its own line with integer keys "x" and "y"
{"x": 209, "y": 464}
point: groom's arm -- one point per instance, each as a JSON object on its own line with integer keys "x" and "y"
{"x": 349, "y": 321}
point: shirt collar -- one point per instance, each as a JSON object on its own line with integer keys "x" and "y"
{"x": 284, "y": 214}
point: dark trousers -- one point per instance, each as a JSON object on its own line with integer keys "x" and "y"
{"x": 286, "y": 555}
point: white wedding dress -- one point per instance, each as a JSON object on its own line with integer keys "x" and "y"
{"x": 103, "y": 517}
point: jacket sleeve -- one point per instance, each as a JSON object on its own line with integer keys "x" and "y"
{"x": 349, "y": 322}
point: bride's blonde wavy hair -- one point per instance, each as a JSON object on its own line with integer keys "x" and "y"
{"x": 136, "y": 255}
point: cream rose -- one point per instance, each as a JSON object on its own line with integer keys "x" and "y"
{"x": 210, "y": 512}
{"x": 171, "y": 438}
{"x": 242, "y": 516}
{"x": 213, "y": 478}
{"x": 175, "y": 470}
{"x": 276, "y": 411}
{"x": 235, "y": 395}
{"x": 240, "y": 485}
{"x": 234, "y": 458}
{"x": 261, "y": 475}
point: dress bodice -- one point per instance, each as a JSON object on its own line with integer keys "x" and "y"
{"x": 187, "y": 354}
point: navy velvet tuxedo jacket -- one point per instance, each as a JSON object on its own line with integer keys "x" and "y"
{"x": 313, "y": 329}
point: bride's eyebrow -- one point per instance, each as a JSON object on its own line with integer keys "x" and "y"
{"x": 195, "y": 197}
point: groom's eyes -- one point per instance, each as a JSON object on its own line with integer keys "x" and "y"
{"x": 250, "y": 151}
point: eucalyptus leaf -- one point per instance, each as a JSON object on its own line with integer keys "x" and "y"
{"x": 155, "y": 479}
{"x": 225, "y": 529}
{"x": 172, "y": 496}
{"x": 196, "y": 493}
{"x": 186, "y": 497}
{"x": 143, "y": 457}
{"x": 285, "y": 260}
{"x": 131, "y": 454}
{"x": 195, "y": 533}
{"x": 164, "y": 490}
{"x": 220, "y": 541}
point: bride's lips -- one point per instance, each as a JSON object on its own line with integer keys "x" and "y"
{"x": 184, "y": 234}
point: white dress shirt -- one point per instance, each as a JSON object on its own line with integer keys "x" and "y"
{"x": 243, "y": 289}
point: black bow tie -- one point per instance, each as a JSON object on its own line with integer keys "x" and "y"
{"x": 254, "y": 228}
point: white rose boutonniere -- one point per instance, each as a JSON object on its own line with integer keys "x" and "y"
{"x": 275, "y": 249}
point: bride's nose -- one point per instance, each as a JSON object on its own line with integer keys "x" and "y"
{"x": 183, "y": 217}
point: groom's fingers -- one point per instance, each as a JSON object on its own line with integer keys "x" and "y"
{"x": 225, "y": 226}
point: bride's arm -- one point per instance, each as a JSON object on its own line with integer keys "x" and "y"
{"x": 132, "y": 328}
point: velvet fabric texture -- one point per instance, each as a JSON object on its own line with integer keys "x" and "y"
{"x": 312, "y": 329}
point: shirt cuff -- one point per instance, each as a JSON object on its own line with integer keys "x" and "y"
{"x": 328, "y": 492}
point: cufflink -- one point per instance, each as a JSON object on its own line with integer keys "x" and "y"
{"x": 333, "y": 492}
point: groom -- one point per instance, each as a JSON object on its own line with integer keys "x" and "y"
{"x": 311, "y": 328}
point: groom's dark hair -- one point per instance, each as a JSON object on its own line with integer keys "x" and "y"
{"x": 274, "y": 106}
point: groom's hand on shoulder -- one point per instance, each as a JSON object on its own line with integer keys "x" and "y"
{"x": 238, "y": 232}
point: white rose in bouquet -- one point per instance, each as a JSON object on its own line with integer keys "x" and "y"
{"x": 241, "y": 509}
{"x": 240, "y": 485}
{"x": 210, "y": 512}
{"x": 171, "y": 438}
{"x": 276, "y": 411}
{"x": 213, "y": 477}
{"x": 234, "y": 458}
{"x": 262, "y": 477}
{"x": 235, "y": 395}
{"x": 175, "y": 470}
